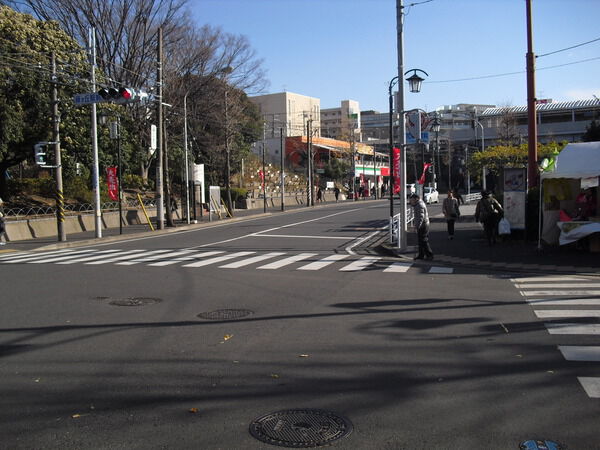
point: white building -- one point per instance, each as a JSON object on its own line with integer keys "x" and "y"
{"x": 290, "y": 112}
{"x": 340, "y": 123}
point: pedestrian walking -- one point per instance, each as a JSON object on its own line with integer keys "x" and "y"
{"x": 2, "y": 230}
{"x": 336, "y": 192}
{"x": 489, "y": 212}
{"x": 421, "y": 224}
{"x": 451, "y": 212}
{"x": 319, "y": 195}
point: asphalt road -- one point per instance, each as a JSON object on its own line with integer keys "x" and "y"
{"x": 415, "y": 356}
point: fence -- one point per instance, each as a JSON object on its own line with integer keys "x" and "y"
{"x": 44, "y": 211}
{"x": 395, "y": 226}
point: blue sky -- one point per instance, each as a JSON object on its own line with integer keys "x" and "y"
{"x": 346, "y": 49}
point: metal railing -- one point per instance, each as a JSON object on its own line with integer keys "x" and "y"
{"x": 45, "y": 211}
{"x": 473, "y": 197}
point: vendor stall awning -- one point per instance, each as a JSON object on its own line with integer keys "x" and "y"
{"x": 581, "y": 160}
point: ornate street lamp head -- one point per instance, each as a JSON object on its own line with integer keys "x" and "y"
{"x": 414, "y": 81}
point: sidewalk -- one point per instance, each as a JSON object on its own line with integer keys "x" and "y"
{"x": 470, "y": 248}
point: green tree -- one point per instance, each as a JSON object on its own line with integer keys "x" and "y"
{"x": 26, "y": 45}
{"x": 592, "y": 132}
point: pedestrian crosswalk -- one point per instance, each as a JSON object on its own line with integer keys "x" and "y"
{"x": 193, "y": 259}
{"x": 574, "y": 318}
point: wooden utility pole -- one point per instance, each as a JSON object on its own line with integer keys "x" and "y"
{"x": 532, "y": 169}
{"x": 60, "y": 210}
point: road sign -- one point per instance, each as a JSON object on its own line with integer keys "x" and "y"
{"x": 86, "y": 99}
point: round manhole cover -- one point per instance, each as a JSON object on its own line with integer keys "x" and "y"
{"x": 300, "y": 428}
{"x": 135, "y": 301}
{"x": 225, "y": 314}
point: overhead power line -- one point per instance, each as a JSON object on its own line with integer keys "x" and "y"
{"x": 568, "y": 48}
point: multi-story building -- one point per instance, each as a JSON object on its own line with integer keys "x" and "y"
{"x": 288, "y": 112}
{"x": 343, "y": 122}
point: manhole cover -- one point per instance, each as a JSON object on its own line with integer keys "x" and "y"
{"x": 135, "y": 301}
{"x": 539, "y": 444}
{"x": 300, "y": 428}
{"x": 225, "y": 314}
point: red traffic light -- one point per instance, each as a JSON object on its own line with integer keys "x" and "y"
{"x": 121, "y": 95}
{"x": 126, "y": 93}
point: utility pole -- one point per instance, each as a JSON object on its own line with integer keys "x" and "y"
{"x": 60, "y": 210}
{"x": 403, "y": 241}
{"x": 187, "y": 164}
{"x": 96, "y": 170}
{"x": 167, "y": 184}
{"x": 281, "y": 154}
{"x": 264, "y": 171}
{"x": 160, "y": 210}
{"x": 532, "y": 169}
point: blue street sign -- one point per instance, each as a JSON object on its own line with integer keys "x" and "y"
{"x": 424, "y": 138}
{"x": 86, "y": 99}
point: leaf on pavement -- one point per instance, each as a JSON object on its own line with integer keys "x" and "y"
{"x": 193, "y": 410}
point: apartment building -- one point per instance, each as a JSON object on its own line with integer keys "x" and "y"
{"x": 289, "y": 112}
{"x": 341, "y": 123}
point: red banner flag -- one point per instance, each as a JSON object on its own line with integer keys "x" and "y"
{"x": 425, "y": 167}
{"x": 112, "y": 180}
{"x": 396, "y": 171}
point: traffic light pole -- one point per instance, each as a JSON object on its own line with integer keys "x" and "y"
{"x": 96, "y": 170}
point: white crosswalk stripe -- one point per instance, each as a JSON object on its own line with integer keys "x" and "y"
{"x": 318, "y": 265}
{"x": 190, "y": 257}
{"x": 574, "y": 292}
{"x": 33, "y": 256}
{"x": 287, "y": 261}
{"x": 98, "y": 255}
{"x": 360, "y": 264}
{"x": 61, "y": 257}
{"x": 436, "y": 269}
{"x": 253, "y": 260}
{"x": 400, "y": 267}
{"x": 217, "y": 259}
{"x": 157, "y": 254}
{"x": 123, "y": 256}
{"x": 21, "y": 256}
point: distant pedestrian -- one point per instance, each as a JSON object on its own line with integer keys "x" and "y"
{"x": 421, "y": 224}
{"x": 2, "y": 230}
{"x": 336, "y": 192}
{"x": 489, "y": 212}
{"x": 319, "y": 195}
{"x": 451, "y": 212}
{"x": 458, "y": 196}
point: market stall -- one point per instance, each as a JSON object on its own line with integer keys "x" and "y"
{"x": 571, "y": 200}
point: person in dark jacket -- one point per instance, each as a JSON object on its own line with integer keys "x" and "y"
{"x": 421, "y": 224}
{"x": 489, "y": 212}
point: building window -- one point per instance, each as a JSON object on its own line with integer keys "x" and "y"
{"x": 556, "y": 118}
{"x": 584, "y": 116}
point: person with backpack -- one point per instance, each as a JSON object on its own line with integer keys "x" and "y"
{"x": 489, "y": 212}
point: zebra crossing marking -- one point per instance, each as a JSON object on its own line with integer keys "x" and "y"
{"x": 559, "y": 285}
{"x": 191, "y": 257}
{"x": 98, "y": 255}
{"x": 591, "y": 385}
{"x": 62, "y": 257}
{"x": 580, "y": 352}
{"x": 557, "y": 293}
{"x": 567, "y": 313}
{"x": 592, "y": 329}
{"x": 248, "y": 261}
{"x": 564, "y": 301}
{"x": 359, "y": 264}
{"x": 436, "y": 269}
{"x": 323, "y": 262}
{"x": 20, "y": 256}
{"x": 157, "y": 254}
{"x": 287, "y": 261}
{"x": 128, "y": 255}
{"x": 217, "y": 259}
{"x": 398, "y": 267}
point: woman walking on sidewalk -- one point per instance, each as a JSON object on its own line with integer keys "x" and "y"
{"x": 451, "y": 212}
{"x": 489, "y": 212}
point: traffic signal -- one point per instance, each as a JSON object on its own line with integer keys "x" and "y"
{"x": 121, "y": 95}
{"x": 40, "y": 154}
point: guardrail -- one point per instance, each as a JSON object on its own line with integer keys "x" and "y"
{"x": 395, "y": 226}
{"x": 37, "y": 211}
{"x": 472, "y": 197}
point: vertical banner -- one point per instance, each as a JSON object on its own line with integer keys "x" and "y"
{"x": 396, "y": 170}
{"x": 112, "y": 181}
{"x": 261, "y": 174}
{"x": 425, "y": 167}
{"x": 515, "y": 197}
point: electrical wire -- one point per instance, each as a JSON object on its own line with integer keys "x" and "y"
{"x": 568, "y": 48}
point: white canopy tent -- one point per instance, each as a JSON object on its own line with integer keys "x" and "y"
{"x": 576, "y": 162}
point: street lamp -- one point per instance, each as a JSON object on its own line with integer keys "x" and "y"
{"x": 415, "y": 86}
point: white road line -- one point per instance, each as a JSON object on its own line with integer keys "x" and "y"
{"x": 253, "y": 260}
{"x": 292, "y": 236}
{"x": 437, "y": 269}
{"x": 561, "y": 285}
{"x": 217, "y": 259}
{"x": 157, "y": 254}
{"x": 563, "y": 301}
{"x": 591, "y": 386}
{"x": 556, "y": 313}
{"x": 580, "y": 352}
{"x": 577, "y": 292}
{"x": 21, "y": 256}
{"x": 287, "y": 261}
{"x": 360, "y": 241}
{"x": 32, "y": 256}
{"x": 122, "y": 256}
{"x": 399, "y": 267}
{"x": 185, "y": 258}
{"x": 573, "y": 328}
{"x": 543, "y": 279}
{"x": 62, "y": 257}
{"x": 99, "y": 255}
{"x": 317, "y": 265}
{"x": 360, "y": 264}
